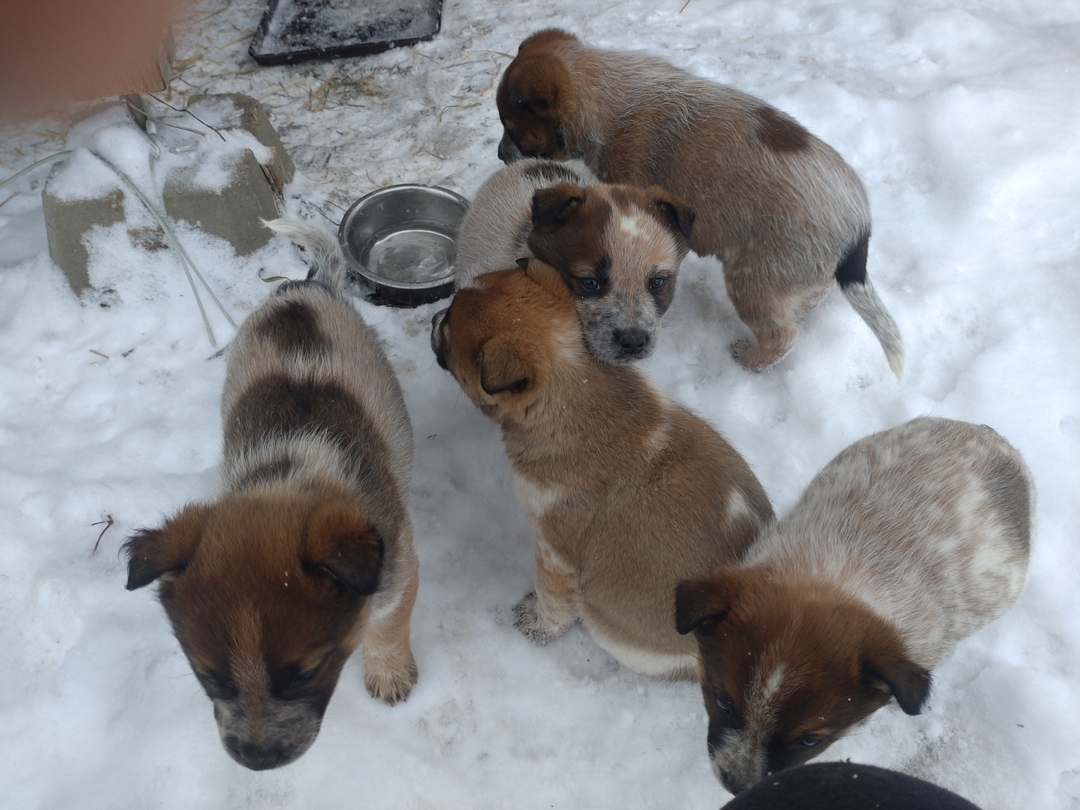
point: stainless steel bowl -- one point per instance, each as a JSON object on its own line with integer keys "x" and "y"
{"x": 401, "y": 241}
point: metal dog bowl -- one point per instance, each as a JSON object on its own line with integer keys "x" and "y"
{"x": 400, "y": 240}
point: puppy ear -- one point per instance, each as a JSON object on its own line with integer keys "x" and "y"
{"x": 545, "y": 275}
{"x": 556, "y": 204}
{"x": 533, "y": 83}
{"x": 672, "y": 210}
{"x": 908, "y": 682}
{"x": 701, "y": 604}
{"x": 168, "y": 550}
{"x": 342, "y": 543}
{"x": 501, "y": 368}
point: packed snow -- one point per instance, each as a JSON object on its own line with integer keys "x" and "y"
{"x": 962, "y": 120}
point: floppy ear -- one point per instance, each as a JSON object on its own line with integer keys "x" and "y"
{"x": 908, "y": 682}
{"x": 168, "y": 550}
{"x": 544, "y": 275}
{"x": 704, "y": 603}
{"x": 556, "y": 204}
{"x": 342, "y": 543}
{"x": 532, "y": 83}
{"x": 672, "y": 210}
{"x": 502, "y": 368}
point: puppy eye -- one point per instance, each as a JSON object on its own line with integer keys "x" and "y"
{"x": 806, "y": 741}
{"x": 589, "y": 285}
{"x": 305, "y": 677}
{"x": 210, "y": 679}
{"x": 657, "y": 283}
{"x": 724, "y": 704}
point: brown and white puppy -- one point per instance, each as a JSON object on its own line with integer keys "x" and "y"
{"x": 308, "y": 553}
{"x": 779, "y": 207}
{"x": 629, "y": 493}
{"x": 904, "y": 544}
{"x": 618, "y": 248}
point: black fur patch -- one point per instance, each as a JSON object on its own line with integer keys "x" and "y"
{"x": 277, "y": 407}
{"x": 293, "y": 327}
{"x": 780, "y": 132}
{"x": 852, "y": 268}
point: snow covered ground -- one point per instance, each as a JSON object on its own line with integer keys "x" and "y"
{"x": 963, "y": 120}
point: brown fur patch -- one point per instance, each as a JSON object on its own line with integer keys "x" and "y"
{"x": 780, "y": 132}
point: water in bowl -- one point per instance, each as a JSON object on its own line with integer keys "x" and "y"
{"x": 413, "y": 255}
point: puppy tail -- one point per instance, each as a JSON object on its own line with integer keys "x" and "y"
{"x": 328, "y": 266}
{"x": 860, "y": 293}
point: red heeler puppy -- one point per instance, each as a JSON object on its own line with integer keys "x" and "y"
{"x": 779, "y": 207}
{"x": 308, "y": 553}
{"x": 907, "y": 542}
{"x": 628, "y": 492}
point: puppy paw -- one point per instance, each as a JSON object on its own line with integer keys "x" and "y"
{"x": 390, "y": 686}
{"x": 528, "y": 620}
{"x": 742, "y": 353}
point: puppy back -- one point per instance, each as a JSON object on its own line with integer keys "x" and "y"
{"x": 929, "y": 524}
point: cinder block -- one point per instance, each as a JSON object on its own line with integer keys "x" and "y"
{"x": 250, "y": 115}
{"x": 67, "y": 222}
{"x": 232, "y": 212}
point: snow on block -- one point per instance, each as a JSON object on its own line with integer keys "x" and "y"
{"x": 227, "y": 197}
{"x": 238, "y": 111}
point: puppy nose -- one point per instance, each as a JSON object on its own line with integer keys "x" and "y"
{"x": 731, "y": 784}
{"x": 257, "y": 757}
{"x": 632, "y": 341}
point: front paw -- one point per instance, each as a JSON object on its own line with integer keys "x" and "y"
{"x": 390, "y": 682}
{"x": 742, "y": 352}
{"x": 527, "y": 619}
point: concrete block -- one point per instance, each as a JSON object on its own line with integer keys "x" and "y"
{"x": 232, "y": 211}
{"x": 248, "y": 114}
{"x": 68, "y": 221}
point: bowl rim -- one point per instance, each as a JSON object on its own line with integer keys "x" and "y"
{"x": 382, "y": 281}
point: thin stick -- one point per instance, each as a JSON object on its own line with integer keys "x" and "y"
{"x": 108, "y": 524}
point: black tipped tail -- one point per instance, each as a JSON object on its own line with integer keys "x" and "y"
{"x": 860, "y": 293}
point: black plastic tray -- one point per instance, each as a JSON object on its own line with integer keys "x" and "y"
{"x": 302, "y": 30}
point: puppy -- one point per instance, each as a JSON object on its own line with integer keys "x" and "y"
{"x": 618, "y": 248}
{"x": 308, "y": 553}
{"x": 628, "y": 492}
{"x": 906, "y": 543}
{"x": 780, "y": 208}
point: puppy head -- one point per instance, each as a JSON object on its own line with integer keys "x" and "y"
{"x": 535, "y": 95}
{"x": 787, "y": 668}
{"x": 264, "y": 597}
{"x": 618, "y": 249}
{"x": 502, "y": 337}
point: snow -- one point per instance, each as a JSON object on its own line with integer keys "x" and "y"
{"x": 961, "y": 118}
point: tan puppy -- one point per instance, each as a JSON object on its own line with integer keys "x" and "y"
{"x": 308, "y": 553}
{"x": 906, "y": 543}
{"x": 628, "y": 492}
{"x": 618, "y": 248}
{"x": 780, "y": 208}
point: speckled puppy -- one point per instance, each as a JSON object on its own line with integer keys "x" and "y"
{"x": 907, "y": 542}
{"x": 617, "y": 248}
{"x": 308, "y": 553}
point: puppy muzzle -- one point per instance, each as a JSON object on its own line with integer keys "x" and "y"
{"x": 508, "y": 150}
